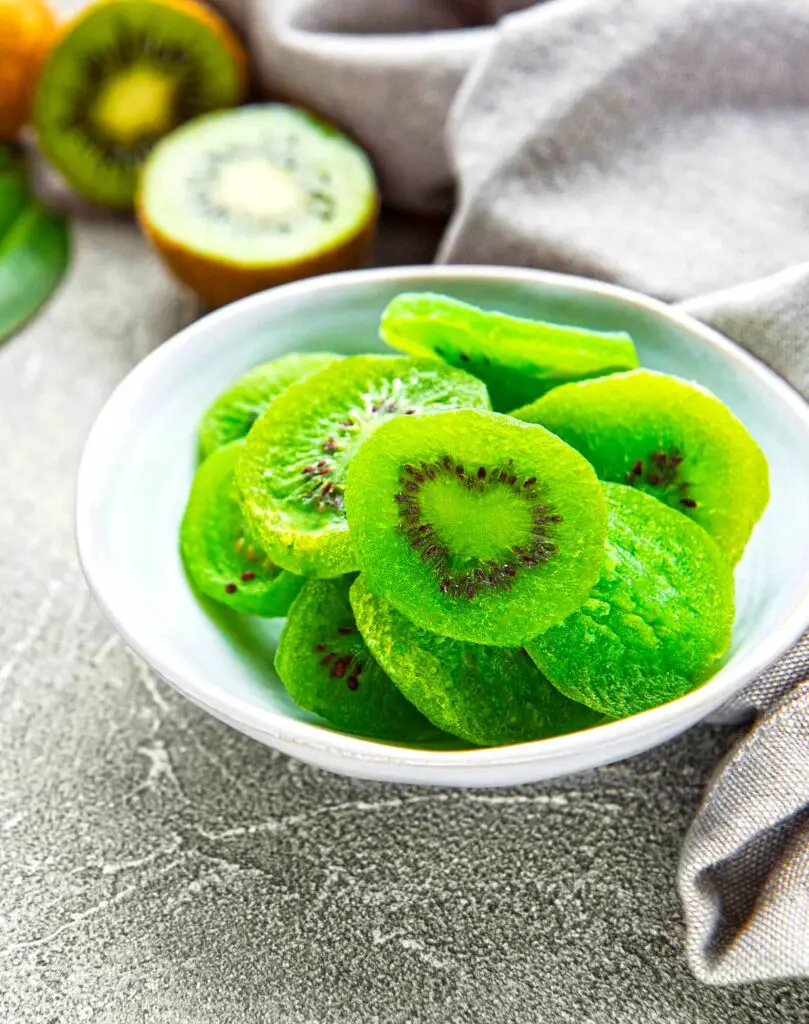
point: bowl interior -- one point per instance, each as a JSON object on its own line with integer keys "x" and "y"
{"x": 142, "y": 456}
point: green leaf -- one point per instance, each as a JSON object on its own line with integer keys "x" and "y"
{"x": 34, "y": 254}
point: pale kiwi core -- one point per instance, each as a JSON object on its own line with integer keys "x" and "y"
{"x": 475, "y": 525}
{"x": 136, "y": 102}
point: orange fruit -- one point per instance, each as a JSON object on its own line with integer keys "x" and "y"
{"x": 27, "y": 33}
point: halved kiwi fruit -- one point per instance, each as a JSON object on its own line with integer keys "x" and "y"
{"x": 235, "y": 411}
{"x": 123, "y": 74}
{"x": 670, "y": 438}
{"x": 221, "y": 558}
{"x": 657, "y": 622}
{"x": 242, "y": 200}
{"x": 293, "y": 469}
{"x": 486, "y": 695}
{"x": 474, "y": 525}
{"x": 324, "y": 664}
{"x": 519, "y": 359}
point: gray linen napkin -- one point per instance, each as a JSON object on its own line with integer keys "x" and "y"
{"x": 658, "y": 143}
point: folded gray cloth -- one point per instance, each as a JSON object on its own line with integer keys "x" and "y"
{"x": 658, "y": 143}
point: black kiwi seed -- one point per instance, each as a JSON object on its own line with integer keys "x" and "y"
{"x": 661, "y": 469}
{"x": 328, "y": 493}
{"x": 467, "y": 582}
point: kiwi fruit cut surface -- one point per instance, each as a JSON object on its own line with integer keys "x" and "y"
{"x": 292, "y": 471}
{"x": 221, "y": 559}
{"x": 486, "y": 695}
{"x": 123, "y": 74}
{"x": 518, "y": 359}
{"x": 474, "y": 525}
{"x": 670, "y": 438}
{"x": 323, "y": 662}
{"x": 657, "y": 622}
{"x": 242, "y": 200}
{"x": 235, "y": 411}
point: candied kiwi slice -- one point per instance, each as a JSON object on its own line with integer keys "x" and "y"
{"x": 518, "y": 359}
{"x": 657, "y": 622}
{"x": 670, "y": 438}
{"x": 293, "y": 469}
{"x": 486, "y": 695}
{"x": 123, "y": 74}
{"x": 323, "y": 662}
{"x": 235, "y": 411}
{"x": 221, "y": 559}
{"x": 476, "y": 526}
{"x": 246, "y": 199}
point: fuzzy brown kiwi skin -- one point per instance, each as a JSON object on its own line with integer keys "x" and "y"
{"x": 218, "y": 282}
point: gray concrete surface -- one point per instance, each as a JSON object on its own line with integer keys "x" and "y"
{"x": 158, "y": 867}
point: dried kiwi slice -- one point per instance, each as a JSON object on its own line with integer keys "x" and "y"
{"x": 221, "y": 559}
{"x": 293, "y": 469}
{"x": 326, "y": 668}
{"x": 123, "y": 74}
{"x": 518, "y": 359}
{"x": 476, "y": 526}
{"x": 235, "y": 411}
{"x": 246, "y": 199}
{"x": 670, "y": 438}
{"x": 487, "y": 695}
{"x": 658, "y": 620}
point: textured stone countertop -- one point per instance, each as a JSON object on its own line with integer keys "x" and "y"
{"x": 158, "y": 867}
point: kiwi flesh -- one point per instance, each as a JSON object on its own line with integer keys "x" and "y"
{"x": 519, "y": 359}
{"x": 233, "y": 413}
{"x": 292, "y": 471}
{"x": 486, "y": 695}
{"x": 325, "y": 666}
{"x": 123, "y": 74}
{"x": 221, "y": 559}
{"x": 657, "y": 622}
{"x": 474, "y": 525}
{"x": 670, "y": 438}
{"x": 245, "y": 199}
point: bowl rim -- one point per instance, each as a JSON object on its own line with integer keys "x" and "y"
{"x": 272, "y": 724}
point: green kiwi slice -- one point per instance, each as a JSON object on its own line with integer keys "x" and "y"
{"x": 323, "y": 662}
{"x": 657, "y": 622}
{"x": 476, "y": 526}
{"x": 123, "y": 74}
{"x": 221, "y": 559}
{"x": 235, "y": 411}
{"x": 293, "y": 469}
{"x": 486, "y": 695}
{"x": 518, "y": 359}
{"x": 670, "y": 438}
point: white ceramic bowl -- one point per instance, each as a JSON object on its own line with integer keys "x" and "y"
{"x": 141, "y": 454}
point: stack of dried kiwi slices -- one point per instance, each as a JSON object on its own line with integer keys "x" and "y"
{"x": 454, "y": 573}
